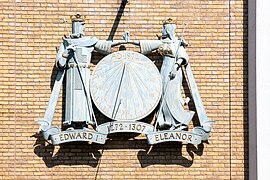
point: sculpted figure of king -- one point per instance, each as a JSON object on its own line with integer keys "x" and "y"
{"x": 74, "y": 55}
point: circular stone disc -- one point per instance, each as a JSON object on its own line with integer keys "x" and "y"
{"x": 126, "y": 85}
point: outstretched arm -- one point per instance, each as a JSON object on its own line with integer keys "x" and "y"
{"x": 147, "y": 46}
{"x": 104, "y": 47}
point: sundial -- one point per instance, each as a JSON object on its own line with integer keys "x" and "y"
{"x": 126, "y": 85}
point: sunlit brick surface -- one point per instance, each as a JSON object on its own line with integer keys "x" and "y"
{"x": 31, "y": 30}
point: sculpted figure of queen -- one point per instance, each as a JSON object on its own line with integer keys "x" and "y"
{"x": 172, "y": 114}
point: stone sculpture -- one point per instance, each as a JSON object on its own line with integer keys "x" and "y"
{"x": 126, "y": 87}
{"x": 73, "y": 59}
{"x": 171, "y": 113}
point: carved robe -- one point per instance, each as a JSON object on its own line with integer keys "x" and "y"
{"x": 172, "y": 112}
{"x": 78, "y": 103}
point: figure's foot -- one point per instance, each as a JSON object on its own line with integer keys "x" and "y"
{"x": 180, "y": 127}
{"x": 183, "y": 127}
{"x": 70, "y": 129}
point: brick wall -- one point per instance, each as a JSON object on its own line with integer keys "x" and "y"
{"x": 31, "y": 30}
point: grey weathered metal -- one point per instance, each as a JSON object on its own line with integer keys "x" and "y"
{"x": 77, "y": 26}
{"x": 206, "y": 124}
{"x": 126, "y": 126}
{"x": 78, "y": 102}
{"x": 72, "y": 135}
{"x": 172, "y": 114}
{"x": 126, "y": 85}
{"x": 75, "y": 55}
{"x": 73, "y": 58}
{"x": 174, "y": 135}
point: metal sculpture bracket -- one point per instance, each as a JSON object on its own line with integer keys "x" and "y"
{"x": 126, "y": 87}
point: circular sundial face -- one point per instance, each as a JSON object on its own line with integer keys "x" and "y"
{"x": 126, "y": 85}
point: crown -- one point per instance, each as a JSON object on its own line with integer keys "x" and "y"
{"x": 77, "y": 18}
{"x": 169, "y": 21}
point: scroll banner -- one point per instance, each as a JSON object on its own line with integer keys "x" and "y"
{"x": 125, "y": 126}
{"x": 173, "y": 135}
{"x": 78, "y": 135}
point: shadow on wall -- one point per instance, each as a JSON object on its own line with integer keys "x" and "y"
{"x": 67, "y": 154}
{"x": 81, "y": 153}
{"x": 245, "y": 89}
{"x": 162, "y": 154}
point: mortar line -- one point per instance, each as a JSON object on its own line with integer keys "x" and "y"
{"x": 230, "y": 103}
{"x": 15, "y": 91}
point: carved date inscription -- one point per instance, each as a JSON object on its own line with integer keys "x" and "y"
{"x": 125, "y": 126}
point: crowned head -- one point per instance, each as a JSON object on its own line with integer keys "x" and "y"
{"x": 168, "y": 29}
